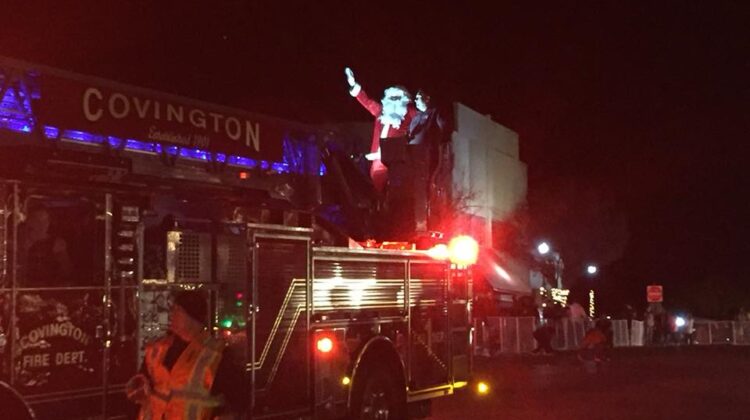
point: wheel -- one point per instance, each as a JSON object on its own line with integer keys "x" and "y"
{"x": 380, "y": 397}
{"x": 13, "y": 405}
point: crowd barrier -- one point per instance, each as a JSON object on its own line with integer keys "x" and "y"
{"x": 497, "y": 335}
{"x": 722, "y": 332}
{"x": 515, "y": 335}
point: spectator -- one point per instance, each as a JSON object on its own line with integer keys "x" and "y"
{"x": 595, "y": 344}
{"x": 484, "y": 306}
{"x": 577, "y": 311}
{"x": 689, "y": 329}
{"x": 742, "y": 315}
{"x": 593, "y": 350}
{"x": 543, "y": 336}
{"x": 44, "y": 256}
{"x": 650, "y": 322}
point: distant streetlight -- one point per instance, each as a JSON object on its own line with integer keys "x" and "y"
{"x": 591, "y": 269}
{"x": 552, "y": 257}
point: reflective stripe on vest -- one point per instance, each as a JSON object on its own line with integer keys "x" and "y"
{"x": 154, "y": 358}
{"x": 185, "y": 391}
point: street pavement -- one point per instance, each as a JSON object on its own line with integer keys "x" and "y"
{"x": 711, "y": 382}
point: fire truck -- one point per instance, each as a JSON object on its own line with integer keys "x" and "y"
{"x": 112, "y": 197}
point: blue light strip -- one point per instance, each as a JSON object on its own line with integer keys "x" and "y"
{"x": 114, "y": 142}
{"x": 82, "y": 136}
{"x": 280, "y": 167}
{"x": 196, "y": 154}
{"x": 12, "y": 118}
{"x": 15, "y": 125}
{"x": 51, "y": 132}
{"x": 140, "y": 146}
{"x": 243, "y": 161}
{"x": 171, "y": 150}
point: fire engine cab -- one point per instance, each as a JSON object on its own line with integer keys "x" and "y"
{"x": 112, "y": 197}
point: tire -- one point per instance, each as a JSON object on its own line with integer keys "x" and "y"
{"x": 379, "y": 396}
{"x": 13, "y": 406}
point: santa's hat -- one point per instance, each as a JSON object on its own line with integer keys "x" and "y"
{"x": 396, "y": 92}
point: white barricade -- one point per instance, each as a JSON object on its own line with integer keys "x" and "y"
{"x": 509, "y": 336}
{"x": 569, "y": 333}
{"x": 564, "y": 335}
{"x": 636, "y": 333}
{"x": 702, "y": 333}
{"x": 722, "y": 332}
{"x": 741, "y": 332}
{"x": 526, "y": 327}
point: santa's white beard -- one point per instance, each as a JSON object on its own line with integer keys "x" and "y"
{"x": 393, "y": 112}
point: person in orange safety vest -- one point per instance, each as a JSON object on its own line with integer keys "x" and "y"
{"x": 596, "y": 343}
{"x": 186, "y": 374}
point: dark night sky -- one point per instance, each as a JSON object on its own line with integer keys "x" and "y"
{"x": 634, "y": 110}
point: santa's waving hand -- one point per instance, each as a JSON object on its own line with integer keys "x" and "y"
{"x": 350, "y": 77}
{"x": 392, "y": 117}
{"x": 355, "y": 89}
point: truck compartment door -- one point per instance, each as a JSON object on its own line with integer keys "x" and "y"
{"x": 280, "y": 323}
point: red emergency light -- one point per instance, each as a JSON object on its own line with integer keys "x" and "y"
{"x": 439, "y": 252}
{"x": 463, "y": 250}
{"x": 399, "y": 246}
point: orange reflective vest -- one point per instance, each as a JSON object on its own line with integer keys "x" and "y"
{"x": 185, "y": 391}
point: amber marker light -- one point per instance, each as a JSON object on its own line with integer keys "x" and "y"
{"x": 483, "y": 388}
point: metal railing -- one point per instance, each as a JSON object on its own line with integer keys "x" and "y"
{"x": 515, "y": 335}
{"x": 722, "y": 332}
{"x": 498, "y": 335}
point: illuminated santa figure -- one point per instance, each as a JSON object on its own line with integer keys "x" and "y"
{"x": 393, "y": 114}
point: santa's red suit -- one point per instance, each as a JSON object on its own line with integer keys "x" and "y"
{"x": 378, "y": 171}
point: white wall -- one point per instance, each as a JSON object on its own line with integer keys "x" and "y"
{"x": 487, "y": 164}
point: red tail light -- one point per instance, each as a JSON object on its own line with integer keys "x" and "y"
{"x": 324, "y": 345}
